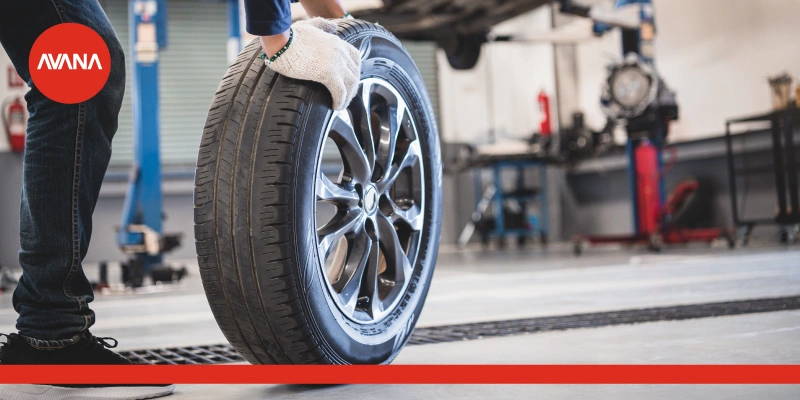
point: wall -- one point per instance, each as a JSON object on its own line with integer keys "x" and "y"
{"x": 10, "y": 191}
{"x": 716, "y": 54}
{"x": 498, "y": 94}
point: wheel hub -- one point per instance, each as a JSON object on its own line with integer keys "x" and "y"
{"x": 368, "y": 246}
{"x": 370, "y": 199}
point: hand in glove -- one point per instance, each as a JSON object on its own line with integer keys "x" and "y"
{"x": 315, "y": 53}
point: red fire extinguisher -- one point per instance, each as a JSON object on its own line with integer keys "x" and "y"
{"x": 15, "y": 121}
{"x": 544, "y": 107}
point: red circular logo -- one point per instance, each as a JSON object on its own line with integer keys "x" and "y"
{"x": 69, "y": 63}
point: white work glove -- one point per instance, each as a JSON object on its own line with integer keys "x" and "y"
{"x": 315, "y": 53}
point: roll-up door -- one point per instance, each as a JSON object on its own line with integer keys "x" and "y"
{"x": 424, "y": 55}
{"x": 190, "y": 70}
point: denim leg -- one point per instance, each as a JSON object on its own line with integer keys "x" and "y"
{"x": 67, "y": 152}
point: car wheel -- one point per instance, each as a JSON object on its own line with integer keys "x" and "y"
{"x": 317, "y": 231}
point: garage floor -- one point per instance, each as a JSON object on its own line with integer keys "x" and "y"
{"x": 476, "y": 286}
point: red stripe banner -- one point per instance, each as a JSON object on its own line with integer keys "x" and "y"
{"x": 401, "y": 374}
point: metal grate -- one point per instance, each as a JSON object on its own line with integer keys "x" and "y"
{"x": 479, "y": 330}
{"x": 215, "y": 354}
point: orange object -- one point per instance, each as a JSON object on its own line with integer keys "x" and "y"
{"x": 545, "y": 128}
{"x": 797, "y": 96}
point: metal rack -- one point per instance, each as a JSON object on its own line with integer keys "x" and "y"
{"x": 535, "y": 224}
{"x": 784, "y": 169}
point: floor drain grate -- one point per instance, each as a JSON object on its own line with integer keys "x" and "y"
{"x": 216, "y": 354}
{"x": 452, "y": 333}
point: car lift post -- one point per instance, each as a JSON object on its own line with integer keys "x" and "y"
{"x": 140, "y": 233}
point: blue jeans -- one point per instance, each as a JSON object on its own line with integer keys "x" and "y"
{"x": 67, "y": 152}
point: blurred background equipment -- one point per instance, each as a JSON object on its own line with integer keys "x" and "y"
{"x": 783, "y": 165}
{"x": 636, "y": 96}
{"x": 140, "y": 234}
{"x": 781, "y": 86}
{"x": 7, "y": 280}
{"x": 14, "y": 121}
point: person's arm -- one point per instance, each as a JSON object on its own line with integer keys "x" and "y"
{"x": 271, "y": 19}
{"x": 307, "y": 50}
{"x": 324, "y": 8}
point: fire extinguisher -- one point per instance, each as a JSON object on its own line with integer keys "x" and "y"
{"x": 15, "y": 122}
{"x": 544, "y": 107}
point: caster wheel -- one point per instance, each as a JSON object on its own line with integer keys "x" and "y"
{"x": 522, "y": 241}
{"x": 543, "y": 240}
{"x": 485, "y": 242}
{"x": 501, "y": 243}
{"x": 731, "y": 240}
{"x": 302, "y": 265}
{"x": 577, "y": 248}
{"x": 656, "y": 243}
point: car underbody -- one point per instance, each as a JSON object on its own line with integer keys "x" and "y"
{"x": 458, "y": 26}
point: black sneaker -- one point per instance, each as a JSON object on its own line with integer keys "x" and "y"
{"x": 89, "y": 350}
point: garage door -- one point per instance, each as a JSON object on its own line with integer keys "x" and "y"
{"x": 424, "y": 55}
{"x": 191, "y": 68}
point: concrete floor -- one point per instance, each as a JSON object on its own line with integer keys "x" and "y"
{"x": 474, "y": 285}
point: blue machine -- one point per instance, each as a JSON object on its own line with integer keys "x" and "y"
{"x": 140, "y": 233}
{"x": 523, "y": 223}
{"x": 534, "y": 223}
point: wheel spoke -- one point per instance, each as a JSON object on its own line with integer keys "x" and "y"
{"x": 353, "y": 155}
{"x": 349, "y": 283}
{"x": 330, "y": 234}
{"x": 374, "y": 306}
{"x": 331, "y": 192}
{"x": 411, "y": 156}
{"x": 412, "y": 216}
{"x": 388, "y": 134}
{"x": 393, "y": 250}
{"x": 362, "y": 122}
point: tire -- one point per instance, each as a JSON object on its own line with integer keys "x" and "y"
{"x": 463, "y": 51}
{"x": 260, "y": 180}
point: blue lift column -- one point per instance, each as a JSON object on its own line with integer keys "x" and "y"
{"x": 141, "y": 232}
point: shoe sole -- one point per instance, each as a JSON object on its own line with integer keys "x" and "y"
{"x": 46, "y": 392}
